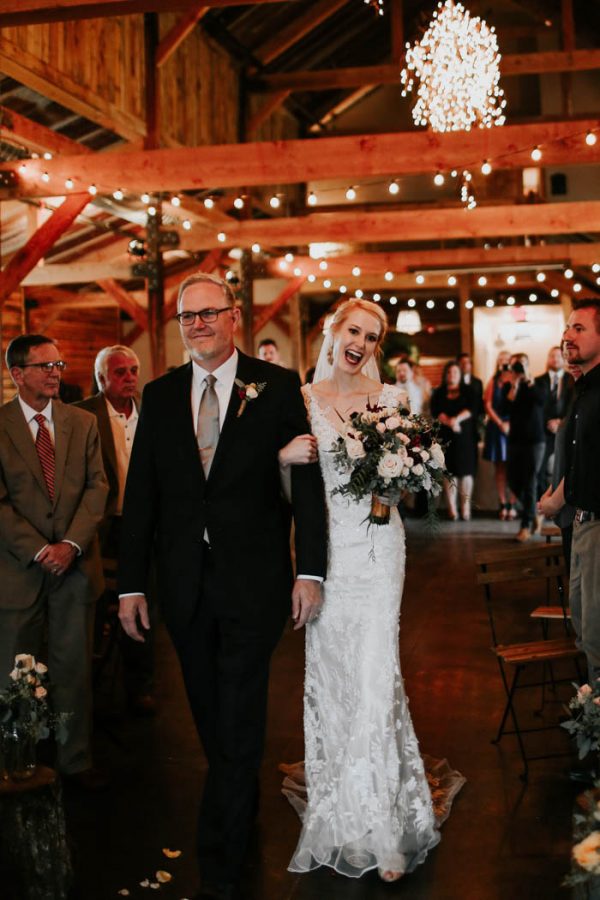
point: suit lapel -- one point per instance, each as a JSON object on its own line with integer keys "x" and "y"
{"x": 62, "y": 435}
{"x": 107, "y": 441}
{"x": 18, "y": 431}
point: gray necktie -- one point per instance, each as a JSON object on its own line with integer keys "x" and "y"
{"x": 207, "y": 431}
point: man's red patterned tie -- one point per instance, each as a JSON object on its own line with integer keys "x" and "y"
{"x": 45, "y": 450}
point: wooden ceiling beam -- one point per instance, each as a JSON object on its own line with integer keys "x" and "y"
{"x": 265, "y": 315}
{"x": 447, "y": 261}
{"x": 38, "y": 75}
{"x": 178, "y": 33}
{"x": 414, "y": 225}
{"x": 294, "y": 161}
{"x": 39, "y": 243}
{"x": 34, "y": 136}
{"x": 298, "y": 28}
{"x": 76, "y": 273}
{"x": 389, "y": 73}
{"x": 36, "y": 12}
{"x": 127, "y": 303}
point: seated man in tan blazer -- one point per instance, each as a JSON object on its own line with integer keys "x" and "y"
{"x": 52, "y": 496}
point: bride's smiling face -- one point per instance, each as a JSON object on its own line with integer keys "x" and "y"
{"x": 356, "y": 341}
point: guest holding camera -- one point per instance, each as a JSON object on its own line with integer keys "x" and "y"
{"x": 524, "y": 404}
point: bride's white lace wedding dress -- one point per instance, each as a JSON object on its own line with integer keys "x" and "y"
{"x": 369, "y": 803}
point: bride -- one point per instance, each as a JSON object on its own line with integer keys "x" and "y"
{"x": 369, "y": 804}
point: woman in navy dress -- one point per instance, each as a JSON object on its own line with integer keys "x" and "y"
{"x": 496, "y": 435}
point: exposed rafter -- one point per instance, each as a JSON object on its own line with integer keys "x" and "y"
{"x": 417, "y": 225}
{"x": 35, "y": 12}
{"x": 289, "y": 162}
{"x": 511, "y": 64}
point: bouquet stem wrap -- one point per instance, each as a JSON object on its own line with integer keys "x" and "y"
{"x": 380, "y": 511}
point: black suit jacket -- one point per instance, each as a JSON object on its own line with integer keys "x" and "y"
{"x": 555, "y": 409}
{"x": 240, "y": 505}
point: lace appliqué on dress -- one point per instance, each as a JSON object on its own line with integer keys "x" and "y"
{"x": 369, "y": 801}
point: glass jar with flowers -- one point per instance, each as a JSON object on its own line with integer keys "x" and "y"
{"x": 26, "y": 718}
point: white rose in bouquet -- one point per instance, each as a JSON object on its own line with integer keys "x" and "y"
{"x": 390, "y": 465}
{"x": 392, "y": 423}
{"x": 418, "y": 470}
{"x": 437, "y": 460}
{"x": 354, "y": 448}
{"x": 424, "y": 455}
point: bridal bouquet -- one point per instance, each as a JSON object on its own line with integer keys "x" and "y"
{"x": 386, "y": 451}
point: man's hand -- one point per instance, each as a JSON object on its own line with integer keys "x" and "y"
{"x": 552, "y": 425}
{"x": 548, "y": 504}
{"x": 130, "y": 608}
{"x": 57, "y": 558}
{"x": 307, "y": 600}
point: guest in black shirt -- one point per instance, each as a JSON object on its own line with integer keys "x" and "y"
{"x": 526, "y": 440}
{"x": 581, "y": 485}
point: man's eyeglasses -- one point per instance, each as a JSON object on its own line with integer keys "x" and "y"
{"x": 205, "y": 315}
{"x": 46, "y": 366}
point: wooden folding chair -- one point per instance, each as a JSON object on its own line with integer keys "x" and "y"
{"x": 523, "y": 566}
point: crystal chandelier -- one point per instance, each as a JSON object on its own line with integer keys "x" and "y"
{"x": 457, "y": 64}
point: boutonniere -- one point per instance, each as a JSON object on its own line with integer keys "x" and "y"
{"x": 248, "y": 392}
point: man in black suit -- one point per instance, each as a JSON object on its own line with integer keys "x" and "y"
{"x": 204, "y": 483}
{"x": 556, "y": 387}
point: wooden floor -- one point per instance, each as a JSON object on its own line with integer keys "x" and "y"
{"x": 503, "y": 840}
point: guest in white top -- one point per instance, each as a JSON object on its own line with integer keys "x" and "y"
{"x": 405, "y": 378}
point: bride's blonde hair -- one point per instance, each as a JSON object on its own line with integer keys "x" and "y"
{"x": 346, "y": 309}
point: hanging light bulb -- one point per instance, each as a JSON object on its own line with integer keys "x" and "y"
{"x": 568, "y": 273}
{"x": 239, "y": 202}
{"x": 510, "y": 279}
{"x": 289, "y": 257}
{"x": 510, "y": 301}
{"x": 47, "y": 155}
{"x": 186, "y": 224}
{"x": 536, "y": 154}
{"x": 394, "y": 187}
{"x": 343, "y": 288}
{"x": 486, "y": 167}
{"x": 297, "y": 270}
{"x": 420, "y": 279}
{"x": 451, "y": 280}
{"x": 327, "y": 284}
{"x": 411, "y": 302}
{"x": 533, "y": 298}
{"x": 541, "y": 277}
{"x": 312, "y": 278}
{"x": 93, "y": 190}
{"x": 323, "y": 265}
{"x": 118, "y": 194}
{"x": 221, "y": 237}
{"x": 554, "y": 293}
{"x": 45, "y": 177}
{"x": 450, "y": 304}
{"x": 145, "y": 198}
{"x": 69, "y": 183}
{"x": 256, "y": 248}
{"x": 430, "y": 304}
{"x": 591, "y": 138}
{"x": 175, "y": 200}
{"x": 393, "y": 300}
{"x": 489, "y": 303}
{"x": 438, "y": 179}
{"x": 469, "y": 304}
{"x": 482, "y": 281}
{"x": 274, "y": 202}
{"x": 151, "y": 210}
{"x": 356, "y": 271}
{"x": 358, "y": 294}
{"x": 389, "y": 276}
{"x": 351, "y": 193}
{"x": 376, "y": 298}
{"x": 312, "y": 199}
